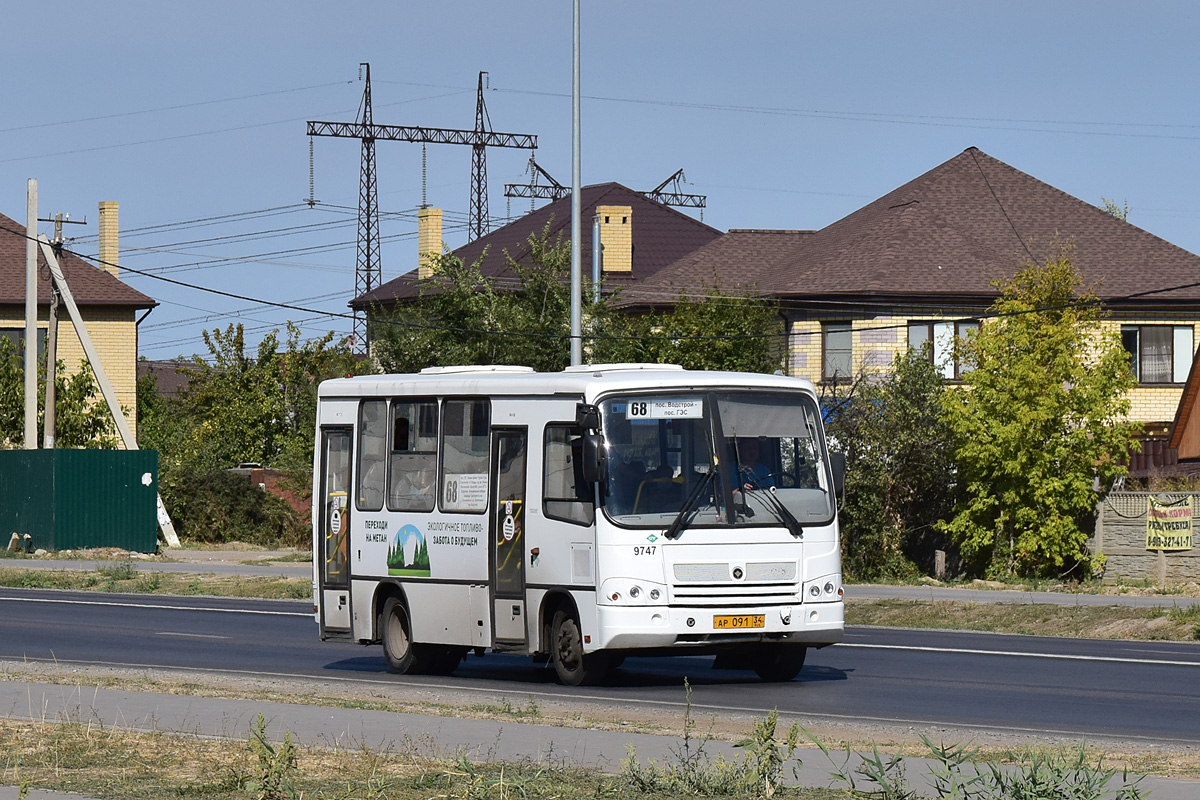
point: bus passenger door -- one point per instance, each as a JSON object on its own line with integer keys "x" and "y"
{"x": 334, "y": 535}
{"x": 507, "y": 533}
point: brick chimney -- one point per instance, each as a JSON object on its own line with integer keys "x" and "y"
{"x": 109, "y": 254}
{"x": 616, "y": 238}
{"x": 429, "y": 240}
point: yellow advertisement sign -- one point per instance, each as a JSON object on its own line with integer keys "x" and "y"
{"x": 1169, "y": 525}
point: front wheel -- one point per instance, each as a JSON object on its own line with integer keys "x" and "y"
{"x": 780, "y": 663}
{"x": 574, "y": 667}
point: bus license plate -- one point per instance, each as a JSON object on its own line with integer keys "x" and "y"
{"x": 749, "y": 621}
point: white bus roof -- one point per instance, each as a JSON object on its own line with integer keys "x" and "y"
{"x": 588, "y": 381}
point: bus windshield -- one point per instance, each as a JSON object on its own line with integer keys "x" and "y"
{"x": 716, "y": 459}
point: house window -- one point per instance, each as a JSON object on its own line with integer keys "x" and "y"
{"x": 1158, "y": 353}
{"x": 16, "y": 337}
{"x": 837, "y": 351}
{"x": 943, "y": 336}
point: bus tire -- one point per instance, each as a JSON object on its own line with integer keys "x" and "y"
{"x": 780, "y": 663}
{"x": 574, "y": 667}
{"x": 442, "y": 660}
{"x": 396, "y": 633}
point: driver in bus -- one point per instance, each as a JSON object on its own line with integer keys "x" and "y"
{"x": 752, "y": 473}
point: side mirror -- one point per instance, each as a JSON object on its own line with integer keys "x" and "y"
{"x": 837, "y": 465}
{"x": 594, "y": 458}
{"x": 587, "y": 417}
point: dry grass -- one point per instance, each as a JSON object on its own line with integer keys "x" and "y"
{"x": 123, "y": 577}
{"x": 105, "y": 762}
{"x": 1087, "y": 622}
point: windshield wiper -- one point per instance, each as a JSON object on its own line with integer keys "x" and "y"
{"x": 781, "y": 511}
{"x": 689, "y": 507}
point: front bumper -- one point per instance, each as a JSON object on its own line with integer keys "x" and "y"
{"x": 656, "y": 627}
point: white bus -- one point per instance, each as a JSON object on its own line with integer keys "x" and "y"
{"x": 578, "y": 517}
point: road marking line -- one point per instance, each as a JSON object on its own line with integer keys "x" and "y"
{"x": 1019, "y": 654}
{"x": 154, "y": 606}
{"x": 191, "y": 635}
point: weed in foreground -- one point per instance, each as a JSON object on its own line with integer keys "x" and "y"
{"x": 505, "y": 708}
{"x": 956, "y": 775}
{"x": 757, "y": 771}
{"x": 276, "y": 765}
{"x": 121, "y": 571}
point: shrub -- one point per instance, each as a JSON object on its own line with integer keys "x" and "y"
{"x": 218, "y": 506}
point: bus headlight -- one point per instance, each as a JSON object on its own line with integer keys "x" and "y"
{"x": 826, "y": 589}
{"x": 632, "y": 592}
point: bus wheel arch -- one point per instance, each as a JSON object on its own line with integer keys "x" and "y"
{"x": 552, "y": 603}
{"x": 573, "y": 666}
{"x": 404, "y": 655}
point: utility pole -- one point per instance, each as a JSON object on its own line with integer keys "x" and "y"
{"x": 367, "y": 270}
{"x": 576, "y": 209}
{"x": 50, "y": 419}
{"x": 31, "y": 202}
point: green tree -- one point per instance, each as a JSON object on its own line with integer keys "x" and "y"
{"x": 82, "y": 418}
{"x": 1121, "y": 212}
{"x": 1043, "y": 414}
{"x": 461, "y": 316}
{"x": 899, "y": 467}
{"x": 239, "y": 406}
{"x": 716, "y": 331}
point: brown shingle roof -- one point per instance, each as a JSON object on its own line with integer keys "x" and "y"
{"x": 738, "y": 262}
{"x": 945, "y": 236}
{"x": 91, "y": 286}
{"x": 661, "y": 236}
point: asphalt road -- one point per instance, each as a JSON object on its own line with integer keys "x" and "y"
{"x": 1129, "y": 690}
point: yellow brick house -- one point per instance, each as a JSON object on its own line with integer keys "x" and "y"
{"x": 918, "y": 265}
{"x": 110, "y": 308}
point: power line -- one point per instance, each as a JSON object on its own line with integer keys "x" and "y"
{"x": 192, "y": 135}
{"x": 201, "y": 222}
{"x": 170, "y": 108}
{"x": 897, "y": 119}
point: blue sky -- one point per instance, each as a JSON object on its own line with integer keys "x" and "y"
{"x": 784, "y": 114}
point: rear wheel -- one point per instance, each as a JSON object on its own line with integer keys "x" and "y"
{"x": 396, "y": 632}
{"x": 574, "y": 667}
{"x": 442, "y": 660}
{"x": 779, "y": 663}
{"x": 407, "y": 657}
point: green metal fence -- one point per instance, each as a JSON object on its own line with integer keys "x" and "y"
{"x": 70, "y": 499}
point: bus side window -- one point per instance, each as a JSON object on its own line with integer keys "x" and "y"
{"x": 465, "y": 449}
{"x": 372, "y": 454}
{"x": 412, "y": 467}
{"x": 566, "y": 495}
